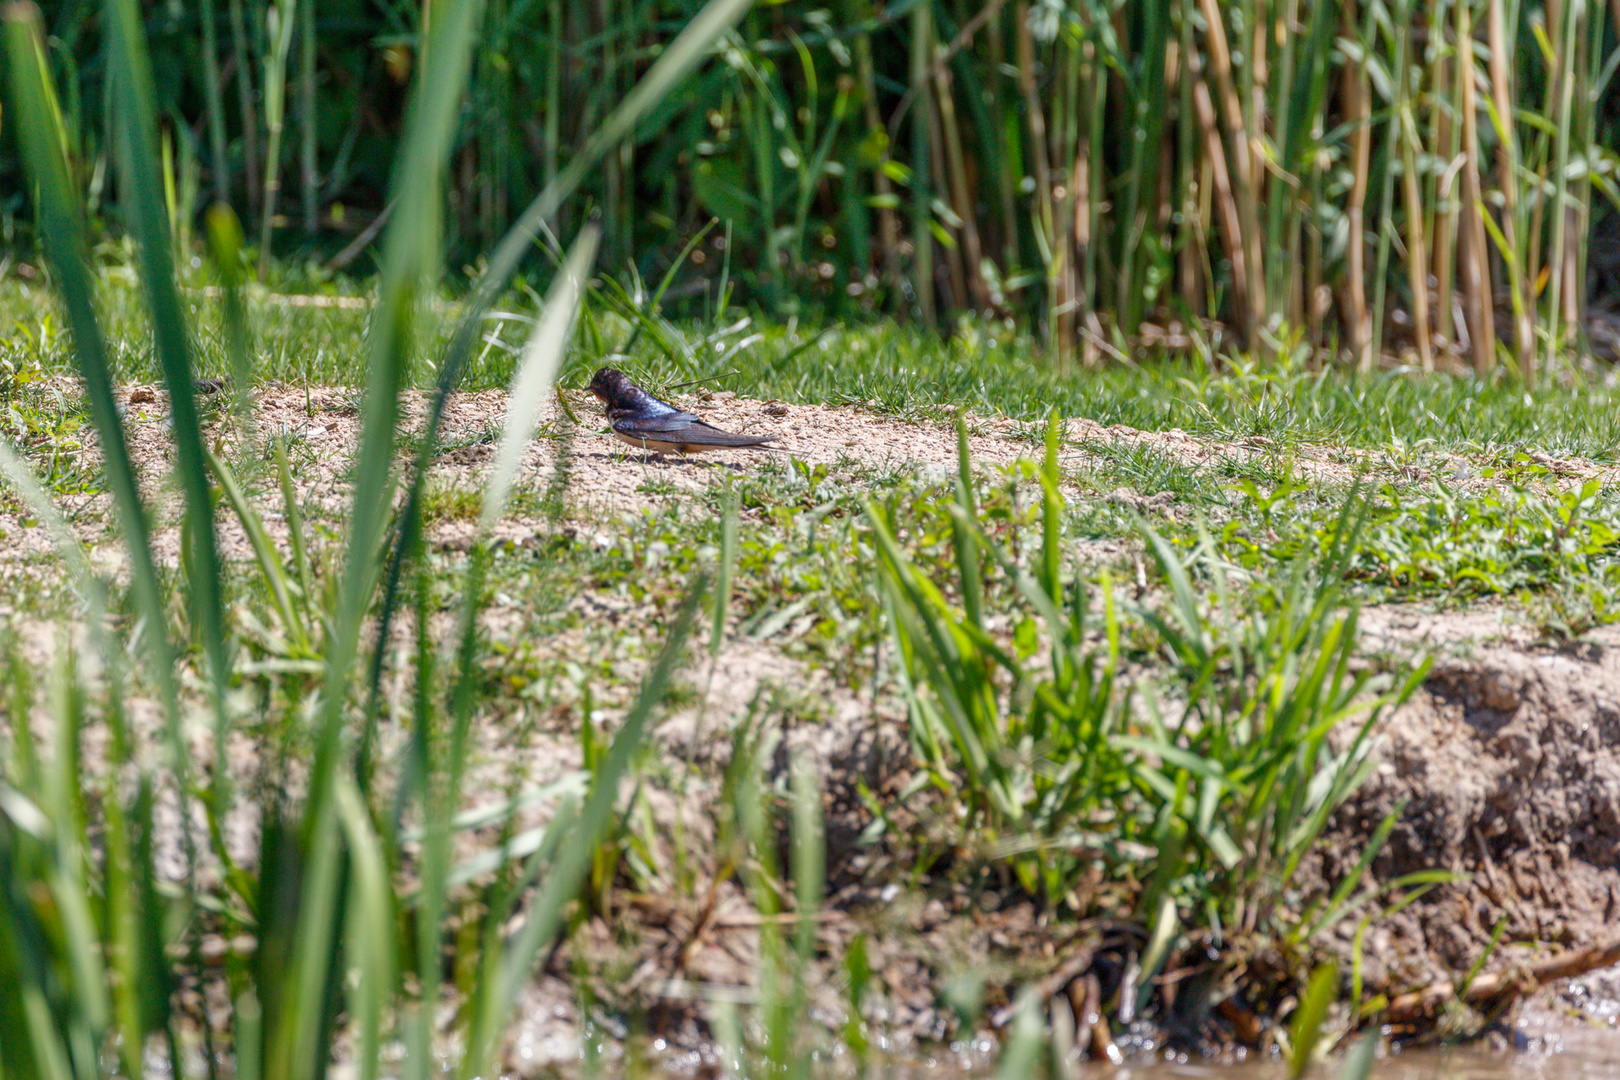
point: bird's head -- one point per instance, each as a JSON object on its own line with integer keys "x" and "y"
{"x": 608, "y": 383}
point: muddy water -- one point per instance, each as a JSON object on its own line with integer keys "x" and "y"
{"x": 1567, "y": 1055}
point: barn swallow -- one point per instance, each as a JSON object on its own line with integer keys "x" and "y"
{"x": 643, "y": 421}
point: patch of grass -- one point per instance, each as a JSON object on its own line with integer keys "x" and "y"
{"x": 444, "y": 500}
{"x": 909, "y": 374}
{"x": 1507, "y": 539}
{"x": 1201, "y": 785}
{"x": 1576, "y": 605}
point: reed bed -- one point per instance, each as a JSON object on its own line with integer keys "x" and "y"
{"x": 1357, "y": 182}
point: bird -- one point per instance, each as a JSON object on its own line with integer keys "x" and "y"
{"x": 643, "y": 421}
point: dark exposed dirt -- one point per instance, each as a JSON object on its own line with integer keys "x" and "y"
{"x": 1508, "y": 761}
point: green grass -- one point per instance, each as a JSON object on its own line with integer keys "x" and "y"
{"x": 895, "y": 370}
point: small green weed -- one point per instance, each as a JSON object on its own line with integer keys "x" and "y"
{"x": 1451, "y": 545}
{"x": 1576, "y": 605}
{"x": 448, "y": 501}
{"x": 1044, "y": 757}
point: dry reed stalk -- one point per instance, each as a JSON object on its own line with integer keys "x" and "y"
{"x": 1444, "y": 253}
{"x": 1080, "y": 190}
{"x": 1224, "y": 198}
{"x": 1285, "y": 32}
{"x": 1507, "y": 179}
{"x": 1242, "y": 176}
{"x": 1083, "y": 280}
{"x": 961, "y": 192}
{"x": 1315, "y": 308}
{"x": 1478, "y": 294}
{"x": 1561, "y": 257}
{"x": 1191, "y": 244}
{"x": 1574, "y": 229}
{"x": 955, "y": 272}
{"x": 1500, "y": 988}
{"x": 1359, "y": 114}
{"x": 1417, "y": 262}
{"x": 1254, "y": 118}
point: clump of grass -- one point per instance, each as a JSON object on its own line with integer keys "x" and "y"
{"x": 1200, "y": 788}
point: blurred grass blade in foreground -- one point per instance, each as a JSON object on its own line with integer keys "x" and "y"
{"x": 410, "y": 258}
{"x": 40, "y": 132}
{"x": 146, "y": 216}
{"x": 537, "y": 369}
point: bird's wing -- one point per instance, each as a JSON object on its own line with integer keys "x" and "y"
{"x": 671, "y": 421}
{"x": 685, "y": 428}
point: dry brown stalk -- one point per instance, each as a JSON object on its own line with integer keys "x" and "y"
{"x": 1357, "y": 110}
{"x": 1417, "y": 262}
{"x": 1080, "y": 198}
{"x": 961, "y": 194}
{"x": 1502, "y": 98}
{"x": 1445, "y": 248}
{"x": 1065, "y": 974}
{"x": 1478, "y": 294}
{"x": 1059, "y": 287}
{"x": 1225, "y": 201}
{"x": 1497, "y": 989}
{"x": 1242, "y": 176}
{"x": 942, "y": 185}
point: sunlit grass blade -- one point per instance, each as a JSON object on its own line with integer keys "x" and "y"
{"x": 809, "y": 858}
{"x": 371, "y": 950}
{"x": 1334, "y": 906}
{"x": 410, "y": 258}
{"x": 225, "y": 243}
{"x": 1021, "y": 1053}
{"x": 293, "y": 1044}
{"x": 1358, "y": 1063}
{"x": 269, "y": 559}
{"x": 536, "y": 370}
{"x": 1306, "y": 1033}
{"x": 142, "y": 193}
{"x": 725, "y": 572}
